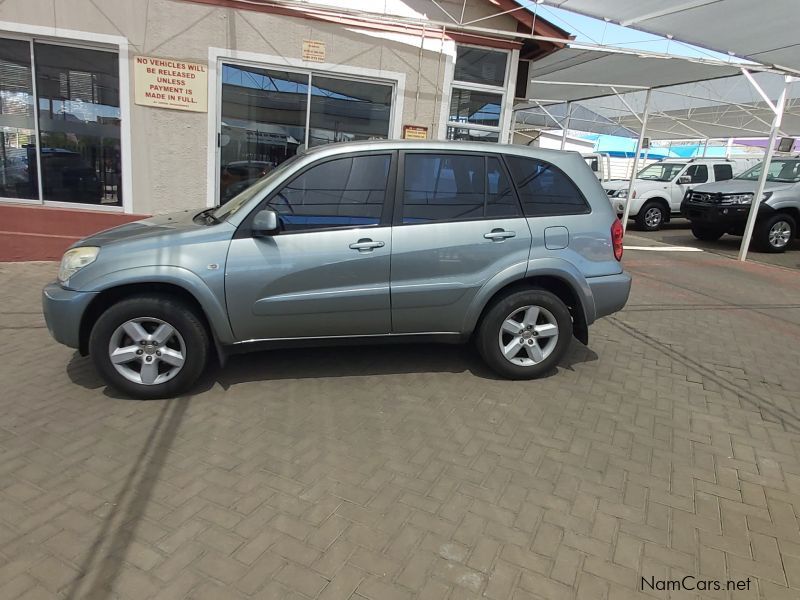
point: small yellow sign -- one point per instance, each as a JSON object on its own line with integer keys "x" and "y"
{"x": 415, "y": 132}
{"x": 168, "y": 83}
{"x": 314, "y": 50}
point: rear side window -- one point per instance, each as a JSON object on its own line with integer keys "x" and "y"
{"x": 455, "y": 187}
{"x": 336, "y": 193}
{"x": 544, "y": 189}
{"x": 723, "y": 172}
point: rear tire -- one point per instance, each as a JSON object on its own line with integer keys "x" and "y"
{"x": 149, "y": 346}
{"x": 775, "y": 233}
{"x": 706, "y": 234}
{"x": 523, "y": 335}
{"x": 651, "y": 216}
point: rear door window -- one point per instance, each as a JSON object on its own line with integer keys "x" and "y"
{"x": 455, "y": 187}
{"x": 544, "y": 189}
{"x": 723, "y": 172}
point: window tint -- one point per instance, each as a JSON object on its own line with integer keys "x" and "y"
{"x": 476, "y": 65}
{"x": 543, "y": 189}
{"x": 337, "y": 193}
{"x": 452, "y": 187}
{"x": 698, "y": 173}
{"x": 723, "y": 172}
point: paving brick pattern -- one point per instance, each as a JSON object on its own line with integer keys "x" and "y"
{"x": 670, "y": 447}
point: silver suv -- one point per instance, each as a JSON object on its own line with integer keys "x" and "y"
{"x": 514, "y": 247}
{"x": 720, "y": 208}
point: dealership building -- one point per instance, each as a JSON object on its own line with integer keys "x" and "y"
{"x": 116, "y": 109}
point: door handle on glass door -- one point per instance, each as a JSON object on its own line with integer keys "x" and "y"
{"x": 498, "y": 235}
{"x": 366, "y": 245}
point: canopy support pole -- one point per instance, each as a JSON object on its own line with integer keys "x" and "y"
{"x": 639, "y": 143}
{"x": 705, "y": 148}
{"x": 762, "y": 180}
{"x": 565, "y": 126}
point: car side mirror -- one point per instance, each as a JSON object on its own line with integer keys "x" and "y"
{"x": 265, "y": 222}
{"x": 684, "y": 179}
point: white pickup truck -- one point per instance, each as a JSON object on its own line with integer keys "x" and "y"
{"x": 659, "y": 188}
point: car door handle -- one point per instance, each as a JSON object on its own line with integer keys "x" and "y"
{"x": 498, "y": 235}
{"x": 366, "y": 245}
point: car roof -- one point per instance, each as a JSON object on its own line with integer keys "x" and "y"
{"x": 450, "y": 146}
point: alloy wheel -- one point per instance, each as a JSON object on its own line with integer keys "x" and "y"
{"x": 147, "y": 351}
{"x": 528, "y": 335}
{"x": 780, "y": 234}
{"x": 653, "y": 217}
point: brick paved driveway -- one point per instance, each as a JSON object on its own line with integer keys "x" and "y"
{"x": 670, "y": 447}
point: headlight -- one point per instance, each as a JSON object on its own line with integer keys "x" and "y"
{"x": 74, "y": 260}
{"x": 623, "y": 193}
{"x": 737, "y": 199}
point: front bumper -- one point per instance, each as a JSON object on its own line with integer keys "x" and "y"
{"x": 63, "y": 311}
{"x": 610, "y": 293}
{"x": 717, "y": 215}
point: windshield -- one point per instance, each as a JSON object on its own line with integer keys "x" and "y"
{"x": 238, "y": 201}
{"x": 786, "y": 171}
{"x": 660, "y": 171}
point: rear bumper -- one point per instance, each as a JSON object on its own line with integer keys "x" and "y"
{"x": 610, "y": 293}
{"x": 63, "y": 310}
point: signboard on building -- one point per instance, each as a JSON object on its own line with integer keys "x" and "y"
{"x": 314, "y": 50}
{"x": 415, "y": 132}
{"x": 168, "y": 83}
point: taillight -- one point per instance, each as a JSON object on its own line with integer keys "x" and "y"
{"x": 616, "y": 238}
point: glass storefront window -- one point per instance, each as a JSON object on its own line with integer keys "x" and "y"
{"x": 264, "y": 114}
{"x": 79, "y": 124}
{"x": 472, "y": 135}
{"x": 476, "y": 65}
{"x": 263, "y": 123}
{"x": 18, "y": 177}
{"x": 344, "y": 111}
{"x": 474, "y": 107}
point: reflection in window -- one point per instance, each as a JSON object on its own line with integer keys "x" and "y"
{"x": 477, "y": 108}
{"x": 344, "y": 111}
{"x": 472, "y": 135}
{"x": 337, "y": 193}
{"x": 476, "y": 65}
{"x": 17, "y": 128}
{"x": 263, "y": 123}
{"x": 79, "y": 124}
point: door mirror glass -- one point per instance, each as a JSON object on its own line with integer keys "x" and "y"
{"x": 265, "y": 222}
{"x": 684, "y": 179}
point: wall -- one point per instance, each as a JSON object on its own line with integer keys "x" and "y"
{"x": 170, "y": 147}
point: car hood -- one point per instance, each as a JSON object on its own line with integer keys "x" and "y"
{"x": 739, "y": 186}
{"x": 146, "y": 228}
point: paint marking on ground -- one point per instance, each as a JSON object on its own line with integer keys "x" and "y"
{"x": 664, "y": 248}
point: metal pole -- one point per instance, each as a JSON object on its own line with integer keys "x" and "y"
{"x": 513, "y": 126}
{"x": 639, "y": 143}
{"x": 705, "y": 147}
{"x": 565, "y": 126}
{"x": 754, "y": 205}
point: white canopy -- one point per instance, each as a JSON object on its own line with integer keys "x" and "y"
{"x": 764, "y": 32}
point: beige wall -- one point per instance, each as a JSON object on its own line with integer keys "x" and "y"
{"x": 170, "y": 147}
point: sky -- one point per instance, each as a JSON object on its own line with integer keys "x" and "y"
{"x": 597, "y": 31}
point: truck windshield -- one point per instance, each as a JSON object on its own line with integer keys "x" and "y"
{"x": 660, "y": 171}
{"x": 786, "y": 171}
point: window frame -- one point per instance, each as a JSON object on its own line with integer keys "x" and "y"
{"x": 581, "y": 195}
{"x": 502, "y": 90}
{"x": 113, "y": 44}
{"x": 399, "y": 200}
{"x": 245, "y": 228}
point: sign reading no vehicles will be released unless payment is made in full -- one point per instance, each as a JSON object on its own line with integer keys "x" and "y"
{"x": 169, "y": 83}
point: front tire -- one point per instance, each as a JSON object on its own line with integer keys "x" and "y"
{"x": 775, "y": 233}
{"x": 149, "y": 346}
{"x": 706, "y": 234}
{"x": 651, "y": 216}
{"x": 523, "y": 335}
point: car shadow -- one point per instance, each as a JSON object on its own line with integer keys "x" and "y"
{"x": 339, "y": 361}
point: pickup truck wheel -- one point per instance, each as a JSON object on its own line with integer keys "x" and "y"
{"x": 525, "y": 334}
{"x": 775, "y": 233}
{"x": 149, "y": 346}
{"x": 707, "y": 234}
{"x": 651, "y": 216}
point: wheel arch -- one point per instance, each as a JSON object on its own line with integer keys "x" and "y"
{"x": 659, "y": 199}
{"x": 111, "y": 295}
